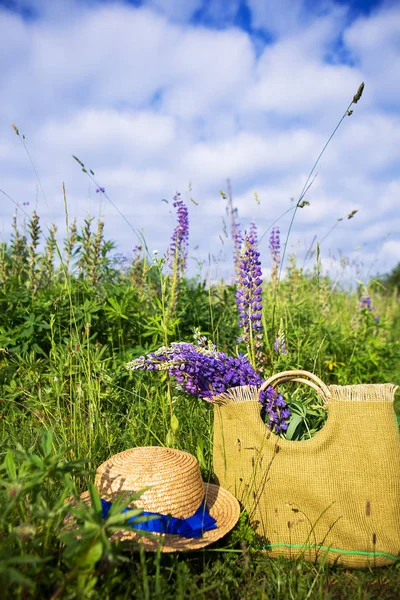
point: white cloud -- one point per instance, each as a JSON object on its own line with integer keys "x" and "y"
{"x": 292, "y": 76}
{"x": 247, "y": 155}
{"x": 373, "y": 43}
{"x": 286, "y": 91}
{"x": 151, "y": 102}
{"x": 138, "y": 135}
{"x": 390, "y": 249}
{"x": 210, "y": 70}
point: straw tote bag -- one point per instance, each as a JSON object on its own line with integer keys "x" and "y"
{"x": 334, "y": 497}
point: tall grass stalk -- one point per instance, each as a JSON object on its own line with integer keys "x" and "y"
{"x": 347, "y": 113}
{"x": 300, "y": 201}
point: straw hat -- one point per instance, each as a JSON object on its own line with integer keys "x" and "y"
{"x": 174, "y": 488}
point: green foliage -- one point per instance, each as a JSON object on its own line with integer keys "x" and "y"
{"x": 69, "y": 324}
{"x": 391, "y": 281}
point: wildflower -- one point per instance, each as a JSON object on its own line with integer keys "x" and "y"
{"x": 177, "y": 253}
{"x": 280, "y": 346}
{"x": 101, "y": 189}
{"x": 235, "y": 228}
{"x": 275, "y": 247}
{"x": 365, "y": 303}
{"x": 274, "y": 410}
{"x": 201, "y": 371}
{"x": 248, "y": 296}
{"x": 237, "y": 243}
{"x": 274, "y": 243}
{"x": 280, "y": 341}
{"x": 120, "y": 260}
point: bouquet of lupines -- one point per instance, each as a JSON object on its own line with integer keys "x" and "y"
{"x": 202, "y": 371}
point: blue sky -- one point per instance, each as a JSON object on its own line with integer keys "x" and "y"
{"x": 155, "y": 94}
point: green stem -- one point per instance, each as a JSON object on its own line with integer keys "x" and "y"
{"x": 303, "y": 192}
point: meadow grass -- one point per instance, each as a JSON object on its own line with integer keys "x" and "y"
{"x": 68, "y": 403}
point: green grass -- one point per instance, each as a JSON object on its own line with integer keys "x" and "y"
{"x": 65, "y": 338}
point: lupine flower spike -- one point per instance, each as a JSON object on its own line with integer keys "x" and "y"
{"x": 176, "y": 255}
{"x": 177, "y": 252}
{"x": 202, "y": 371}
{"x": 280, "y": 341}
{"x": 275, "y": 248}
{"x": 199, "y": 370}
{"x": 248, "y": 298}
{"x": 366, "y": 304}
{"x": 274, "y": 410}
{"x": 237, "y": 238}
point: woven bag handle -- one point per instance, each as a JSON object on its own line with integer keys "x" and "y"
{"x": 301, "y": 377}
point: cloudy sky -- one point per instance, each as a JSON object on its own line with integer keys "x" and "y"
{"x": 155, "y": 94}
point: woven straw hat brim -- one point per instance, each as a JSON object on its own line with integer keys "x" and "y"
{"x": 223, "y": 507}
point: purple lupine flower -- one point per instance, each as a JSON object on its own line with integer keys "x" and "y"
{"x": 180, "y": 238}
{"x": 280, "y": 340}
{"x": 365, "y": 303}
{"x": 120, "y": 258}
{"x": 274, "y": 410}
{"x": 275, "y": 247}
{"x": 235, "y": 230}
{"x": 237, "y": 238}
{"x": 202, "y": 372}
{"x": 237, "y": 244}
{"x": 275, "y": 243}
{"x": 248, "y": 295}
{"x": 280, "y": 345}
{"x": 101, "y": 189}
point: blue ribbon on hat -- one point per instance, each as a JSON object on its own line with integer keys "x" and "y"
{"x": 192, "y": 527}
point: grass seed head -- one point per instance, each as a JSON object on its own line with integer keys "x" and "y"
{"x": 358, "y": 94}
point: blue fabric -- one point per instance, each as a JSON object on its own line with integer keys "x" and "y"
{"x": 192, "y": 527}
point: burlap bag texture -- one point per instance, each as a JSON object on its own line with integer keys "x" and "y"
{"x": 334, "y": 497}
